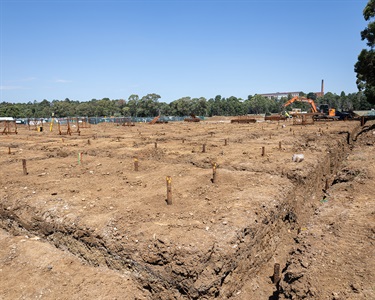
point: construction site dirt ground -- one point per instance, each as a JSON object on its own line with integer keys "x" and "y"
{"x": 84, "y": 224}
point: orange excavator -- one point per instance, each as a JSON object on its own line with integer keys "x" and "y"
{"x": 331, "y": 112}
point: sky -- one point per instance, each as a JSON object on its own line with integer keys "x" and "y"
{"x": 87, "y": 49}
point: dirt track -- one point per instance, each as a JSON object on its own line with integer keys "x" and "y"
{"x": 101, "y": 230}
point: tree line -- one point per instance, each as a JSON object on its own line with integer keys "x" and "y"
{"x": 150, "y": 106}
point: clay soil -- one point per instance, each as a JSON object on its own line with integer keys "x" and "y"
{"x": 95, "y": 228}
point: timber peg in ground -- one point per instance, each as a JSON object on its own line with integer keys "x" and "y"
{"x": 24, "y": 167}
{"x": 214, "y": 166}
{"x": 156, "y": 145}
{"x": 8, "y": 150}
{"x": 225, "y": 142}
{"x": 263, "y": 151}
{"x": 327, "y": 185}
{"x": 79, "y": 158}
{"x": 204, "y": 148}
{"x": 362, "y": 121}
{"x": 276, "y": 273}
{"x": 136, "y": 164}
{"x": 169, "y": 190}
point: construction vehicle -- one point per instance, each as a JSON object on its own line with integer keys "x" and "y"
{"x": 324, "y": 109}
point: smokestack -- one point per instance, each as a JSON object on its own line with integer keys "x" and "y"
{"x": 322, "y": 88}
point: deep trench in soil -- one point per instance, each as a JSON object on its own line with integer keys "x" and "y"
{"x": 256, "y": 244}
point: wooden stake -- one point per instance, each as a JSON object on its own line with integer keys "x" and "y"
{"x": 88, "y": 142}
{"x": 204, "y": 148}
{"x": 276, "y": 273}
{"x": 169, "y": 190}
{"x": 263, "y": 151}
{"x": 362, "y": 121}
{"x": 8, "y": 150}
{"x": 79, "y": 158}
{"x": 225, "y": 142}
{"x": 214, "y": 173}
{"x": 136, "y": 164}
{"x": 24, "y": 167}
{"x": 156, "y": 145}
{"x": 280, "y": 145}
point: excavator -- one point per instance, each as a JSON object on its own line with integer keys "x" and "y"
{"x": 331, "y": 112}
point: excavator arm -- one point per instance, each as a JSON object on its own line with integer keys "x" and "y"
{"x": 302, "y": 99}
{"x": 313, "y": 106}
{"x": 289, "y": 102}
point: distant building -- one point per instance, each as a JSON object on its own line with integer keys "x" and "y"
{"x": 279, "y": 95}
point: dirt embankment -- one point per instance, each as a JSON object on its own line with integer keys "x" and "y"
{"x": 333, "y": 254}
{"x": 213, "y": 242}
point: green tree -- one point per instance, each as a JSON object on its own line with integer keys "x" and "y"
{"x": 85, "y": 109}
{"x": 200, "y": 106}
{"x": 365, "y": 66}
{"x": 182, "y": 106}
{"x": 149, "y": 106}
{"x": 260, "y": 104}
{"x": 311, "y": 96}
{"x": 133, "y": 101}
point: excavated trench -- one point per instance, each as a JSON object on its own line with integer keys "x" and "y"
{"x": 166, "y": 273}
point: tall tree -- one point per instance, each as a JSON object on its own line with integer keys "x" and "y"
{"x": 133, "y": 104}
{"x": 365, "y": 66}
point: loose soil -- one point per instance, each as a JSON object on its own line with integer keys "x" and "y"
{"x": 92, "y": 227}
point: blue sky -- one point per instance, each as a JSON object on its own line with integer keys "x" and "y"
{"x": 94, "y": 49}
